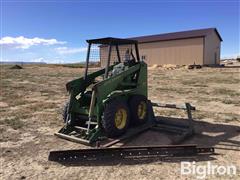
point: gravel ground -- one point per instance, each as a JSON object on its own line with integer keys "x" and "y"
{"x": 32, "y": 98}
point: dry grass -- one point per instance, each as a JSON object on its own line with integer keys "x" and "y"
{"x": 31, "y": 101}
{"x": 14, "y": 123}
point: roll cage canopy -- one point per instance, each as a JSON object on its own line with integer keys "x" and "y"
{"x": 110, "y": 42}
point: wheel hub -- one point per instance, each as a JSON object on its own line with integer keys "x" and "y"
{"x": 120, "y": 118}
{"x": 142, "y": 110}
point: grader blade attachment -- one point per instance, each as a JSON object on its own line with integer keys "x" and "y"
{"x": 85, "y": 156}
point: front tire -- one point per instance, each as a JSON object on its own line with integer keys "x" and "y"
{"x": 116, "y": 118}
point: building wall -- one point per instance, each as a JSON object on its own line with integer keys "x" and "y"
{"x": 212, "y": 49}
{"x": 180, "y": 52}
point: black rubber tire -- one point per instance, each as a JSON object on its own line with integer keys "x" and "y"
{"x": 108, "y": 121}
{"x": 65, "y": 111}
{"x": 134, "y": 102}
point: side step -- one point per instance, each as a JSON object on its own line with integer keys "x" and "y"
{"x": 88, "y": 155}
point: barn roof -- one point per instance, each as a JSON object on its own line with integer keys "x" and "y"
{"x": 176, "y": 35}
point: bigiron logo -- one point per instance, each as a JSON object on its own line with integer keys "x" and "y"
{"x": 207, "y": 170}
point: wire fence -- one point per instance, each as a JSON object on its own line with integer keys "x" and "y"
{"x": 100, "y": 53}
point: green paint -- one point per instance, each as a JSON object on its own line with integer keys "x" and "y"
{"x": 132, "y": 81}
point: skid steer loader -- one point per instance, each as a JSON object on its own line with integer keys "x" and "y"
{"x": 113, "y": 101}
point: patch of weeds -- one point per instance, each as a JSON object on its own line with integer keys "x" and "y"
{"x": 231, "y": 101}
{"x": 2, "y": 130}
{"x": 171, "y": 113}
{"x": 165, "y": 89}
{"x": 223, "y": 91}
{"x": 230, "y": 119}
{"x": 189, "y": 82}
{"x": 202, "y": 99}
{"x": 200, "y": 85}
{"x": 18, "y": 102}
{"x": 202, "y": 115}
{"x": 4, "y": 110}
{"x": 217, "y": 117}
{"x": 160, "y": 77}
{"x": 203, "y": 91}
{"x": 5, "y": 83}
{"x": 175, "y": 90}
{"x": 81, "y": 65}
{"x": 43, "y": 106}
{"x": 77, "y": 65}
{"x": 225, "y": 80}
{"x": 47, "y": 92}
{"x": 15, "y": 123}
{"x": 194, "y": 83}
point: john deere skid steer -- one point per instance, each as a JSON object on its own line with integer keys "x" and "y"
{"x": 108, "y": 102}
{"x": 111, "y": 105}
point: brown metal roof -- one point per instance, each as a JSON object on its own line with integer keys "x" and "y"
{"x": 176, "y": 35}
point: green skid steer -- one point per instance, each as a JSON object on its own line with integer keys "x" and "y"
{"x": 108, "y": 108}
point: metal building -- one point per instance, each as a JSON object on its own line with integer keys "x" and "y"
{"x": 200, "y": 46}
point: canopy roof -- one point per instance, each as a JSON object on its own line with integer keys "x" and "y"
{"x": 112, "y": 41}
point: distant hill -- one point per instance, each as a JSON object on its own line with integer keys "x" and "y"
{"x": 80, "y": 65}
{"x": 19, "y": 62}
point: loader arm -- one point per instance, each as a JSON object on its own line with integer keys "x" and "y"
{"x": 78, "y": 86}
{"x": 81, "y": 84}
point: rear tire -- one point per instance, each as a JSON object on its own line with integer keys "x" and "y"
{"x": 138, "y": 109}
{"x": 115, "y": 118}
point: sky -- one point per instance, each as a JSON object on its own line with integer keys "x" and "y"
{"x": 56, "y": 31}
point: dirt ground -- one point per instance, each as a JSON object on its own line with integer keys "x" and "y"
{"x": 31, "y": 102}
